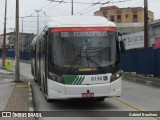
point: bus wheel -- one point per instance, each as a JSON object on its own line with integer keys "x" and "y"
{"x": 100, "y": 99}
{"x": 52, "y": 100}
{"x": 48, "y": 100}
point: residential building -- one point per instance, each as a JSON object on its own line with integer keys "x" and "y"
{"x": 128, "y": 20}
{"x": 124, "y": 15}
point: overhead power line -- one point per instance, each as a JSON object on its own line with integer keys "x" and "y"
{"x": 51, "y": 8}
{"x": 101, "y": 5}
{"x": 87, "y": 7}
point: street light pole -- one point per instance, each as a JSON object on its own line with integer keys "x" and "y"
{"x": 37, "y": 20}
{"x": 4, "y": 38}
{"x": 146, "y": 42}
{"x": 17, "y": 73}
{"x": 72, "y": 8}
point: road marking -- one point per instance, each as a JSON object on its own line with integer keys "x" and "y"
{"x": 133, "y": 107}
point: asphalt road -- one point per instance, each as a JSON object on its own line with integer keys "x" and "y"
{"x": 135, "y": 97}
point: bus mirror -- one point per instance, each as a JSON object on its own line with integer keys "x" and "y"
{"x": 46, "y": 33}
{"x": 122, "y": 47}
{"x": 120, "y": 35}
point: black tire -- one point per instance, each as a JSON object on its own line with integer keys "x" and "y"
{"x": 48, "y": 100}
{"x": 100, "y": 99}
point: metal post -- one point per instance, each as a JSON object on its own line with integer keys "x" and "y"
{"x": 72, "y": 8}
{"x": 22, "y": 34}
{"x": 146, "y": 42}
{"x": 22, "y": 23}
{"x": 22, "y": 37}
{"x": 4, "y": 38}
{"x": 17, "y": 74}
{"x": 37, "y": 20}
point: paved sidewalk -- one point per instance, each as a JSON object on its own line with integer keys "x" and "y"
{"x": 14, "y": 96}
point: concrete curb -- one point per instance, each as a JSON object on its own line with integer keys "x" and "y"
{"x": 7, "y": 73}
{"x": 149, "y": 81}
{"x": 30, "y": 99}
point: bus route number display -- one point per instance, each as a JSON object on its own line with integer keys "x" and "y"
{"x": 84, "y": 34}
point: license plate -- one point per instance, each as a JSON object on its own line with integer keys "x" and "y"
{"x": 87, "y": 95}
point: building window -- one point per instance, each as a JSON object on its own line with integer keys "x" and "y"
{"x": 118, "y": 17}
{"x": 112, "y": 18}
{"x": 126, "y": 15}
{"x": 134, "y": 15}
{"x": 135, "y": 19}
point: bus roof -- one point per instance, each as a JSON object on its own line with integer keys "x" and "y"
{"x": 79, "y": 21}
{"x": 76, "y": 21}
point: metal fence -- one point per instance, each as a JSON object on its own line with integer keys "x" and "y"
{"x": 142, "y": 61}
{"x": 11, "y": 54}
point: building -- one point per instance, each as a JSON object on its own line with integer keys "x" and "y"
{"x": 154, "y": 31}
{"x": 136, "y": 40}
{"x": 124, "y": 15}
{"x": 24, "y": 40}
{"x": 128, "y": 20}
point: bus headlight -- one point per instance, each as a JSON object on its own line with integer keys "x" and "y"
{"x": 55, "y": 78}
{"x": 116, "y": 76}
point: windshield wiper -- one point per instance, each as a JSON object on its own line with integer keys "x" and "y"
{"x": 74, "y": 62}
{"x": 98, "y": 65}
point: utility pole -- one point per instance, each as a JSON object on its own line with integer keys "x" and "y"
{"x": 37, "y": 20}
{"x": 4, "y": 38}
{"x": 72, "y": 8}
{"x": 17, "y": 73}
{"x": 146, "y": 42}
{"x": 22, "y": 33}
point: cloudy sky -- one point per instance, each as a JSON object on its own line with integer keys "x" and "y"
{"x": 48, "y": 8}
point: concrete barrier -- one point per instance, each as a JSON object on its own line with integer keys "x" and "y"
{"x": 149, "y": 81}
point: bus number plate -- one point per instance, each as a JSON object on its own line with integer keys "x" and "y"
{"x": 87, "y": 95}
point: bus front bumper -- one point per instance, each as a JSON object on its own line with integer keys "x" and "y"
{"x": 61, "y": 91}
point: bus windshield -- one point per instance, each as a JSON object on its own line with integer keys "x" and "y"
{"x": 82, "y": 49}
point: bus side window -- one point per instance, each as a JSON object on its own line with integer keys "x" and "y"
{"x": 50, "y": 54}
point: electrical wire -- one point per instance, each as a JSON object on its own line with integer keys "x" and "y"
{"x": 101, "y": 5}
